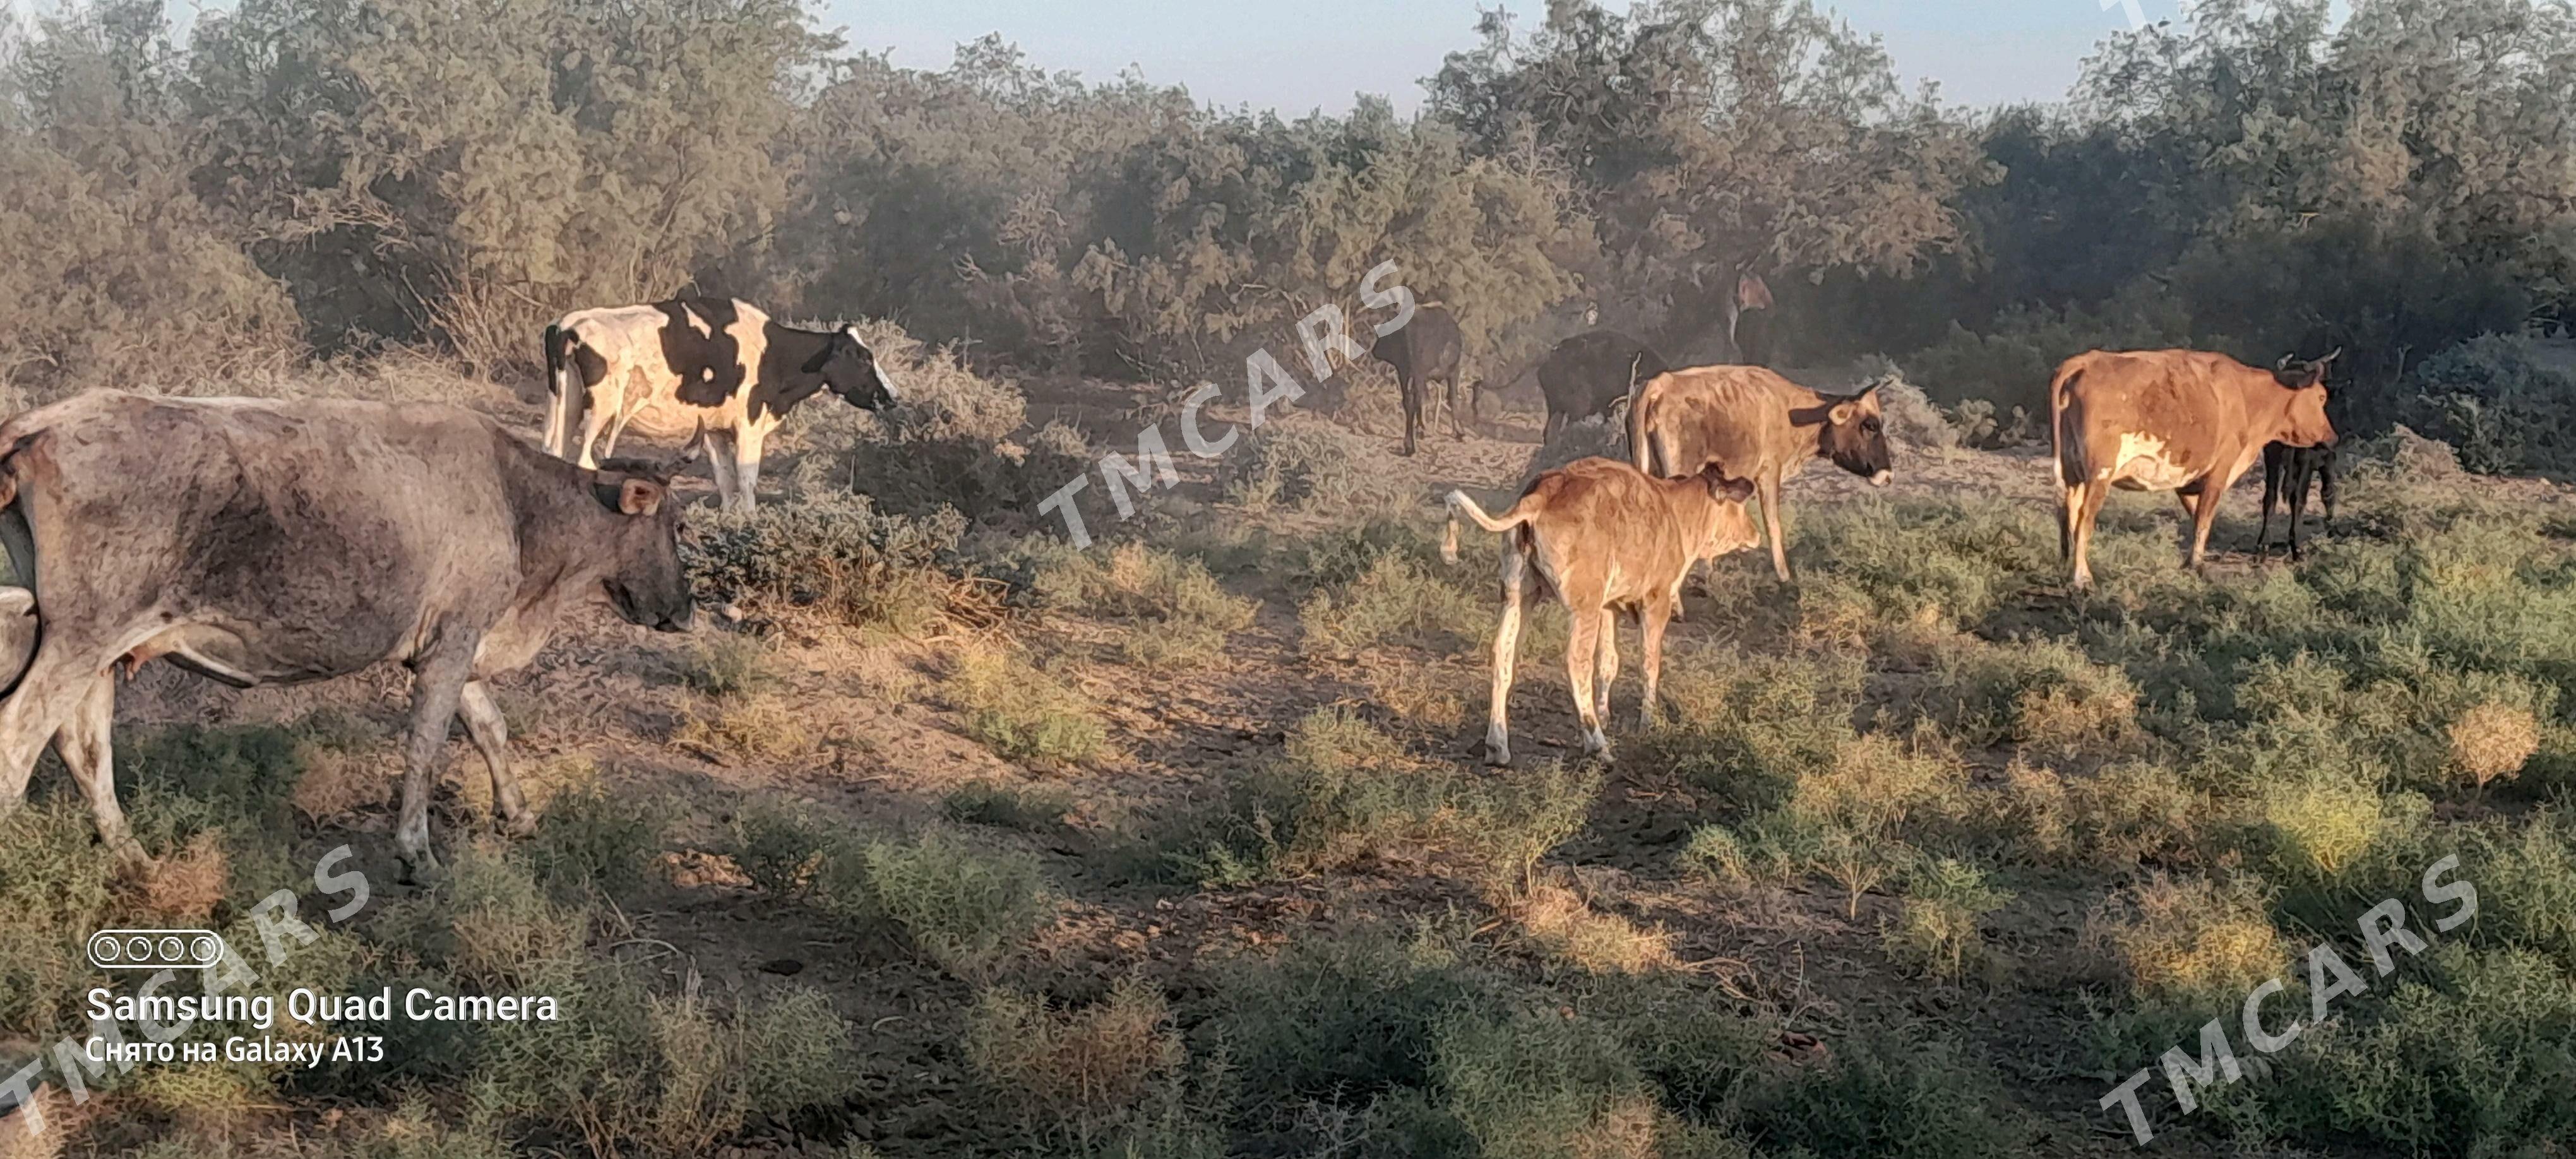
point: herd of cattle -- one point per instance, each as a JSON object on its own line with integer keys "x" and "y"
{"x": 259, "y": 541}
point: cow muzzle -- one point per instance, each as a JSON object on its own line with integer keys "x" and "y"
{"x": 680, "y": 621}
{"x": 1882, "y": 478}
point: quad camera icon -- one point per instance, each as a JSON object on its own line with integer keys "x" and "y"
{"x": 155, "y": 949}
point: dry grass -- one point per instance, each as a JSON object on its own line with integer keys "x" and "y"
{"x": 2491, "y": 741}
{"x": 187, "y": 884}
{"x": 761, "y": 727}
{"x": 2184, "y": 937}
{"x": 1079, "y": 1069}
{"x": 1564, "y": 927}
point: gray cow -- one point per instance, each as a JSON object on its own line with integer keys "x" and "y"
{"x": 256, "y": 541}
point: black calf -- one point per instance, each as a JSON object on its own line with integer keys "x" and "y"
{"x": 2285, "y": 465}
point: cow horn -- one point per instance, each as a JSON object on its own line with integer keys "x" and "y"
{"x": 2331, "y": 355}
{"x": 696, "y": 446}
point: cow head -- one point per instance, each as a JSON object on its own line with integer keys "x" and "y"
{"x": 2305, "y": 424}
{"x": 1855, "y": 438}
{"x": 645, "y": 580}
{"x": 1732, "y": 530}
{"x": 851, "y": 370}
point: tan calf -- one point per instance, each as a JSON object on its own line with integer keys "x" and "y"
{"x": 1604, "y": 537}
{"x": 1757, "y": 425}
{"x": 2183, "y": 421}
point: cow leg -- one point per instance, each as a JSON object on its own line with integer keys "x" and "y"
{"x": 56, "y": 685}
{"x": 1580, "y": 656}
{"x": 1651, "y": 626}
{"x": 2298, "y": 472}
{"x": 1507, "y": 645}
{"x": 2087, "y": 509}
{"x": 2203, "y": 514}
{"x": 2326, "y": 490}
{"x": 1609, "y": 664}
{"x": 594, "y": 422}
{"x": 1771, "y": 523}
{"x": 1409, "y": 391}
{"x": 2070, "y": 499}
{"x": 2272, "y": 472}
{"x": 491, "y": 733}
{"x": 82, "y": 742}
{"x": 746, "y": 467}
{"x": 438, "y": 685}
{"x": 1459, "y": 411}
{"x": 721, "y": 449}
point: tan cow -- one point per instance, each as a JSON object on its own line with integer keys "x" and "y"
{"x": 2183, "y": 421}
{"x": 1604, "y": 537}
{"x": 1759, "y": 426}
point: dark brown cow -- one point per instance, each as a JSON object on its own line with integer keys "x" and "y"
{"x": 2184, "y": 421}
{"x": 1604, "y": 537}
{"x": 1425, "y": 350}
{"x": 1759, "y": 426}
{"x": 1589, "y": 373}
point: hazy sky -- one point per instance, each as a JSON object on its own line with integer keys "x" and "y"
{"x": 1305, "y": 54}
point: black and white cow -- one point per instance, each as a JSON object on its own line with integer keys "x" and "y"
{"x": 716, "y": 363}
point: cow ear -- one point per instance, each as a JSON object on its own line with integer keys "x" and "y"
{"x": 1843, "y": 412}
{"x": 639, "y": 497}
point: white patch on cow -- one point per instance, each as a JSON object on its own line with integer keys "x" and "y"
{"x": 704, "y": 328}
{"x": 2144, "y": 464}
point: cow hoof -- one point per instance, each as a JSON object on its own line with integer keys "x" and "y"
{"x": 1497, "y": 756}
{"x": 423, "y": 870}
{"x": 519, "y": 828}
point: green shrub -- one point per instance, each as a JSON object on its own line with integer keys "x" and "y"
{"x": 726, "y": 665}
{"x": 1398, "y": 602}
{"x": 780, "y": 846}
{"x": 1303, "y": 464}
{"x": 1883, "y": 1095}
{"x": 1080, "y": 1070}
{"x": 1178, "y": 616}
{"x": 592, "y": 838}
{"x": 959, "y": 905}
{"x": 1937, "y": 929}
{"x": 1745, "y": 727}
{"x": 834, "y": 552}
{"x": 1024, "y": 713}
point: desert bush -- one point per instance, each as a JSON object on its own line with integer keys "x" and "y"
{"x": 2320, "y": 827}
{"x": 2491, "y": 742}
{"x": 1350, "y": 1016}
{"x": 2186, "y": 938}
{"x": 836, "y": 553}
{"x": 2131, "y": 811}
{"x": 1080, "y": 1070}
{"x": 1930, "y": 562}
{"x": 1033, "y": 809}
{"x": 954, "y": 903}
{"x": 1745, "y": 727}
{"x": 2499, "y": 402}
{"x": 1564, "y": 927}
{"x": 2042, "y": 695}
{"x": 1022, "y": 712}
{"x": 2460, "y": 1063}
{"x": 1397, "y": 602}
{"x": 1178, "y": 616}
{"x": 725, "y": 665}
{"x": 1885, "y": 1094}
{"x": 1527, "y": 1085}
{"x": 1343, "y": 795}
{"x": 779, "y": 845}
{"x": 593, "y": 838}
{"x": 761, "y": 727}
{"x": 1303, "y": 464}
{"x": 58, "y": 886}
{"x": 1936, "y": 930}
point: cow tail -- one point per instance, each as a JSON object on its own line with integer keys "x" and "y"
{"x": 1460, "y": 504}
{"x": 2069, "y": 457}
{"x": 564, "y": 401}
{"x": 1640, "y": 431}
